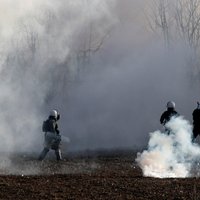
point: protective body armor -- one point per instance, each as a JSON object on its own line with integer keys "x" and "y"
{"x": 49, "y": 126}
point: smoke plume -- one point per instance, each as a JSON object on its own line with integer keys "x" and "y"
{"x": 40, "y": 42}
{"x": 172, "y": 155}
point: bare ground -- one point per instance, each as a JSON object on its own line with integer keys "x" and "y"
{"x": 110, "y": 175}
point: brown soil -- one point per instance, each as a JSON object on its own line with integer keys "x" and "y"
{"x": 105, "y": 176}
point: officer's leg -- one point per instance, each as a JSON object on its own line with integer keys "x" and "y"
{"x": 43, "y": 153}
{"x": 196, "y": 132}
{"x": 58, "y": 154}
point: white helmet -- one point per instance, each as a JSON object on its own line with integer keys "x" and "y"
{"x": 170, "y": 104}
{"x": 54, "y": 113}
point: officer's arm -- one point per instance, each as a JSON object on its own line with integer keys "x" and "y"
{"x": 162, "y": 118}
{"x": 56, "y": 128}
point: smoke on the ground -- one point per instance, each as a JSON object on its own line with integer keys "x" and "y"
{"x": 170, "y": 155}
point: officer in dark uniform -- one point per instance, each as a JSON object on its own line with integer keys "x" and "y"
{"x": 52, "y": 137}
{"x": 168, "y": 114}
{"x": 196, "y": 121}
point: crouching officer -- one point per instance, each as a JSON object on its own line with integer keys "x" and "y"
{"x": 52, "y": 138}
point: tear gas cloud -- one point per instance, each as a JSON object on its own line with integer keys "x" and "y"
{"x": 96, "y": 62}
{"x": 172, "y": 155}
{"x": 37, "y": 40}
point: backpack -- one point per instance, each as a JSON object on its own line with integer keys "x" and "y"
{"x": 48, "y": 126}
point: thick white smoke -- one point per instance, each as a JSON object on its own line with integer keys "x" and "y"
{"x": 170, "y": 155}
{"x": 40, "y": 41}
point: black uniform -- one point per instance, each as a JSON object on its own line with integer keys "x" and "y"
{"x": 196, "y": 122}
{"x": 50, "y": 125}
{"x": 167, "y": 115}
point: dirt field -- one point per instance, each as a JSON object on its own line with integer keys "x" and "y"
{"x": 90, "y": 176}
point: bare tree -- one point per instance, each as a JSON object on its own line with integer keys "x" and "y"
{"x": 91, "y": 46}
{"x": 30, "y": 37}
{"x": 188, "y": 21}
{"x": 188, "y": 24}
{"x": 161, "y": 20}
{"x": 92, "y": 42}
{"x": 183, "y": 19}
{"x": 180, "y": 19}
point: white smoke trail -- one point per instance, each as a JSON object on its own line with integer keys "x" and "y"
{"x": 170, "y": 155}
{"x": 38, "y": 40}
{"x": 39, "y": 44}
